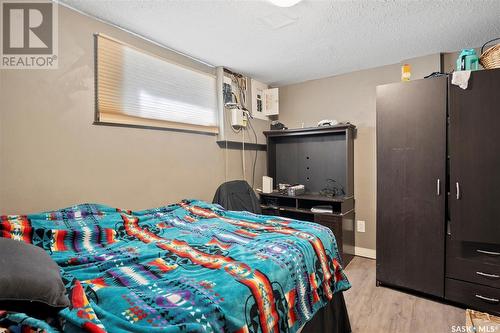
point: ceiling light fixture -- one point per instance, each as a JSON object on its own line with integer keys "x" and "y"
{"x": 285, "y": 3}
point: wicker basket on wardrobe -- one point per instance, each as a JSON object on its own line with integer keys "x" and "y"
{"x": 491, "y": 57}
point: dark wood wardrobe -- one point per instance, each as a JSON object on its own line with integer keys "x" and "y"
{"x": 411, "y": 173}
{"x": 438, "y": 188}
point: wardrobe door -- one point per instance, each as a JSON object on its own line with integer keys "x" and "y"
{"x": 411, "y": 168}
{"x": 475, "y": 159}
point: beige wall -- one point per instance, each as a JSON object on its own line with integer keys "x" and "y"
{"x": 351, "y": 97}
{"x": 51, "y": 155}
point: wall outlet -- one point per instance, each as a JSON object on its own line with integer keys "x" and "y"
{"x": 360, "y": 226}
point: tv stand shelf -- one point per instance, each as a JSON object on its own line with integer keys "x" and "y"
{"x": 322, "y": 159}
{"x": 340, "y": 221}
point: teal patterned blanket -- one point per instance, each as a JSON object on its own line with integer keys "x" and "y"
{"x": 187, "y": 267}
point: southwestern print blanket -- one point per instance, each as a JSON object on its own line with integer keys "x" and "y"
{"x": 187, "y": 267}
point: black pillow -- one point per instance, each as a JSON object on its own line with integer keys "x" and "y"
{"x": 30, "y": 280}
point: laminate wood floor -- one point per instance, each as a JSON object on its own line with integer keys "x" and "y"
{"x": 379, "y": 309}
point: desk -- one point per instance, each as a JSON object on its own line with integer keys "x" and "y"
{"x": 340, "y": 221}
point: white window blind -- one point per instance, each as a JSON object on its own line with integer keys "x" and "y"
{"x": 138, "y": 88}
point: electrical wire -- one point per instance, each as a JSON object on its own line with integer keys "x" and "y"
{"x": 226, "y": 167}
{"x": 256, "y": 152}
{"x": 240, "y": 82}
{"x": 243, "y": 156}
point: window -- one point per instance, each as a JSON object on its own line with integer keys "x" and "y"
{"x": 141, "y": 89}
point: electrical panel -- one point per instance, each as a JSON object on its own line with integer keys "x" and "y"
{"x": 271, "y": 99}
{"x": 265, "y": 101}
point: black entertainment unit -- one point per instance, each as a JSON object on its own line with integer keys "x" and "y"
{"x": 317, "y": 158}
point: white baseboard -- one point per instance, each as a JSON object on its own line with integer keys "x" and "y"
{"x": 364, "y": 252}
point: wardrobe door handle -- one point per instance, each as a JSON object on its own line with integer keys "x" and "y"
{"x": 438, "y": 185}
{"x": 458, "y": 190}
{"x": 488, "y": 299}
{"x": 493, "y": 276}
{"x": 489, "y": 252}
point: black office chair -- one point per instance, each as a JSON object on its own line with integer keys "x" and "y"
{"x": 237, "y": 195}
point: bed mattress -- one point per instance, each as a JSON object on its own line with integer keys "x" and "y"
{"x": 186, "y": 267}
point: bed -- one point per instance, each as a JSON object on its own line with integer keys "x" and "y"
{"x": 186, "y": 267}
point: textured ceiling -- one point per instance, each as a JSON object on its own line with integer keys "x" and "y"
{"x": 310, "y": 40}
